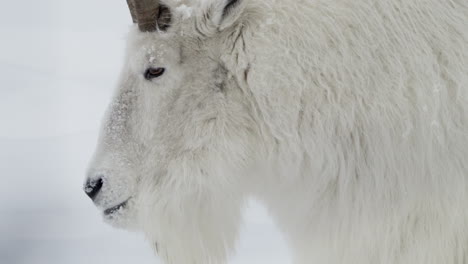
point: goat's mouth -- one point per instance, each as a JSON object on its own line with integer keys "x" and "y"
{"x": 113, "y": 210}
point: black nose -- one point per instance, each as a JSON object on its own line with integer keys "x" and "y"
{"x": 92, "y": 187}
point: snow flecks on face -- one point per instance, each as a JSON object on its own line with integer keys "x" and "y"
{"x": 160, "y": 52}
{"x": 185, "y": 11}
{"x": 150, "y": 54}
{"x": 156, "y": 54}
{"x": 117, "y": 119}
{"x": 187, "y": 8}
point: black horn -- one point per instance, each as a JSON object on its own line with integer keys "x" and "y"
{"x": 145, "y": 13}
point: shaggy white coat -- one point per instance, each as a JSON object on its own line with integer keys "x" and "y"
{"x": 347, "y": 118}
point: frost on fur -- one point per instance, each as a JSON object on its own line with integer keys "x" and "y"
{"x": 348, "y": 119}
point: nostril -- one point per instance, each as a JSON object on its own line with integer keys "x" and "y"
{"x": 92, "y": 187}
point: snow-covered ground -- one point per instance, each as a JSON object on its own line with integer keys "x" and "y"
{"x": 59, "y": 61}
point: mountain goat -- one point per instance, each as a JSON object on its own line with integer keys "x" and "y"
{"x": 348, "y": 119}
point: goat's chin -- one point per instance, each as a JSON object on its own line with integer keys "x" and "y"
{"x": 124, "y": 218}
{"x": 121, "y": 223}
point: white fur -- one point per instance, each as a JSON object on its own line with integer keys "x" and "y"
{"x": 347, "y": 118}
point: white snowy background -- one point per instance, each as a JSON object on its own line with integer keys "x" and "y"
{"x": 59, "y": 61}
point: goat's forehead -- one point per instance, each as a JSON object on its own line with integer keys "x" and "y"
{"x": 154, "y": 44}
{"x": 195, "y": 5}
{"x": 166, "y": 47}
{"x": 158, "y": 52}
{"x": 152, "y": 50}
{"x": 186, "y": 9}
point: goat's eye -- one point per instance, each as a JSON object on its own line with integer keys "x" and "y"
{"x": 152, "y": 73}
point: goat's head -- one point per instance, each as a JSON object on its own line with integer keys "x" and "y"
{"x": 179, "y": 113}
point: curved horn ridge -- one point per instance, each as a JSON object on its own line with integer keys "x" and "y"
{"x": 131, "y": 6}
{"x": 144, "y": 12}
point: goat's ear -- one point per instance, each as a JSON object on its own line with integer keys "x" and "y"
{"x": 228, "y": 12}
